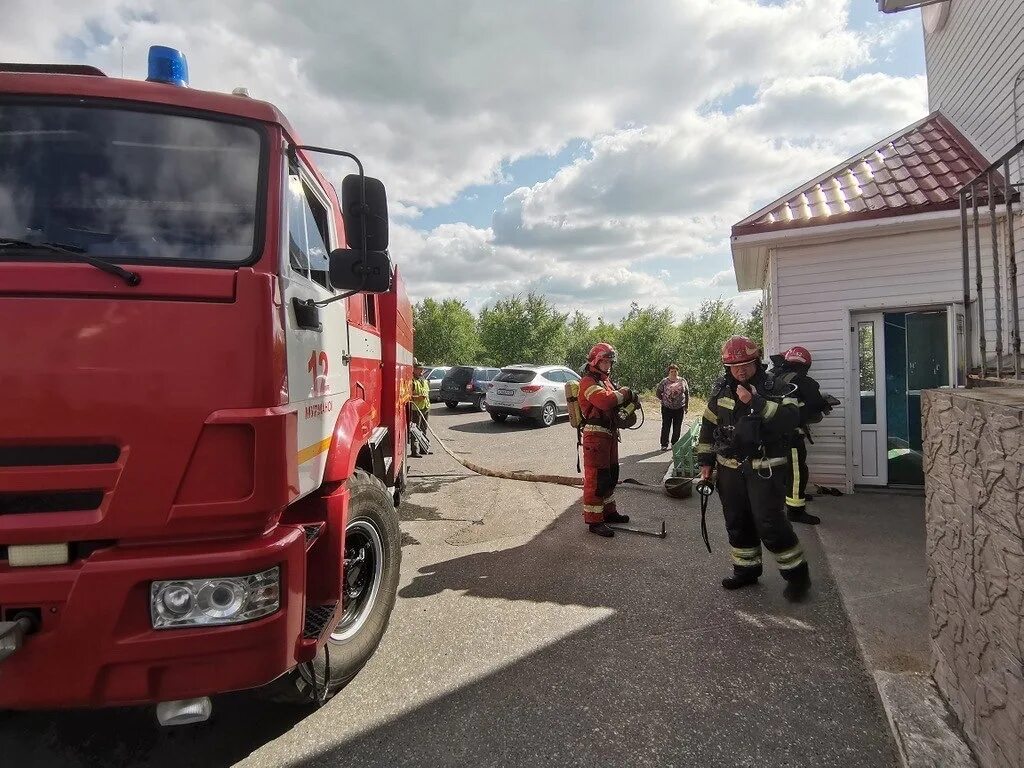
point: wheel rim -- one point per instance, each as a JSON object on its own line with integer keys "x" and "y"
{"x": 360, "y": 581}
{"x": 549, "y": 414}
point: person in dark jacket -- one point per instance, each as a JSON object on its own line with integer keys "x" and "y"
{"x": 745, "y": 431}
{"x": 791, "y": 368}
{"x": 674, "y": 394}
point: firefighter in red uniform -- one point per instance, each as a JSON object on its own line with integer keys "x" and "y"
{"x": 746, "y": 430}
{"x": 598, "y": 402}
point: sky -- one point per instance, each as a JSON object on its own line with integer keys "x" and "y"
{"x": 597, "y": 152}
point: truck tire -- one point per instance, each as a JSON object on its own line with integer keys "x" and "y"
{"x": 372, "y": 536}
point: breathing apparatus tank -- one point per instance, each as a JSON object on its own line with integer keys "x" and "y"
{"x": 572, "y": 399}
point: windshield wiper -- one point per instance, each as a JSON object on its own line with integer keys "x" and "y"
{"x": 10, "y": 244}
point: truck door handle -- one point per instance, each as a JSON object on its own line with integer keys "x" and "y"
{"x": 306, "y": 314}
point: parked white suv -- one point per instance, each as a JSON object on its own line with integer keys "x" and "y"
{"x": 530, "y": 392}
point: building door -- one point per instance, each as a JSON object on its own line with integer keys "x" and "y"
{"x": 916, "y": 358}
{"x": 898, "y": 356}
{"x": 870, "y": 464}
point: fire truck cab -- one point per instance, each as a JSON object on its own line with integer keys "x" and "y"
{"x": 206, "y": 368}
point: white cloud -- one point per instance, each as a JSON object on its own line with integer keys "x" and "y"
{"x": 669, "y": 195}
{"x": 434, "y": 97}
{"x": 854, "y": 113}
{"x": 726, "y": 277}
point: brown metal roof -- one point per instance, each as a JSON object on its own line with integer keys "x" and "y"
{"x": 916, "y": 170}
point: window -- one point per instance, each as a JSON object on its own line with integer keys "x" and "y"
{"x": 866, "y": 371}
{"x": 516, "y": 376}
{"x": 370, "y": 309}
{"x": 556, "y": 375}
{"x": 307, "y": 231}
{"x": 437, "y": 375}
{"x": 117, "y": 183}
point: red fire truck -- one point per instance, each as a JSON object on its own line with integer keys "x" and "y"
{"x": 205, "y": 360}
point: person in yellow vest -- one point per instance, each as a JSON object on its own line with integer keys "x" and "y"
{"x": 420, "y": 402}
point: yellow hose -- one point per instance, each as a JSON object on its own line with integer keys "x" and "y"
{"x": 528, "y": 477}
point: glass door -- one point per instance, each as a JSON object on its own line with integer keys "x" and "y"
{"x": 870, "y": 464}
{"x": 916, "y": 359}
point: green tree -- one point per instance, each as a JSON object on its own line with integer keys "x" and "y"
{"x": 522, "y": 330}
{"x": 754, "y": 326}
{"x": 647, "y": 342}
{"x": 445, "y": 333}
{"x": 701, "y": 336}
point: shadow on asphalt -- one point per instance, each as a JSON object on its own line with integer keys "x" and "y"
{"x": 665, "y": 668}
{"x": 130, "y": 736}
{"x": 657, "y": 666}
{"x": 485, "y": 427}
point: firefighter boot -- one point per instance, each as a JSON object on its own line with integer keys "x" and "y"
{"x": 601, "y": 530}
{"x": 800, "y": 515}
{"x": 615, "y": 517}
{"x": 798, "y": 583}
{"x": 739, "y": 579}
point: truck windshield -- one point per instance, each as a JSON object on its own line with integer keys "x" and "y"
{"x": 124, "y": 184}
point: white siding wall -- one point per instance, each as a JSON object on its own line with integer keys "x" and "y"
{"x": 972, "y": 62}
{"x": 769, "y": 319}
{"x": 818, "y": 286}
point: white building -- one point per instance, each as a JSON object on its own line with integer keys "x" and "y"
{"x": 863, "y": 265}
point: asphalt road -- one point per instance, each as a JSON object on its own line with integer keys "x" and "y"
{"x": 519, "y": 639}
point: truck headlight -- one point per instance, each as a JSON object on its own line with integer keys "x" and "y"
{"x": 215, "y": 601}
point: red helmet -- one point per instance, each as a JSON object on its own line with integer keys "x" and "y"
{"x": 797, "y": 355}
{"x": 600, "y": 351}
{"x": 739, "y": 350}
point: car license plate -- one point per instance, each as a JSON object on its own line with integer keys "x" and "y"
{"x": 506, "y": 392}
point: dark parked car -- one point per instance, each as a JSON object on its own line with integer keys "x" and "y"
{"x": 466, "y": 384}
{"x": 434, "y": 376}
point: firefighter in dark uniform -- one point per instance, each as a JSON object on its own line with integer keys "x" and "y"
{"x": 599, "y": 399}
{"x": 791, "y": 368}
{"x": 745, "y": 430}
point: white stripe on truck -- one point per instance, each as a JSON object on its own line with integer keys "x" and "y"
{"x": 363, "y": 344}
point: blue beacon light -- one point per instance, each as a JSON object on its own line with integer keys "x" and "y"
{"x": 167, "y": 65}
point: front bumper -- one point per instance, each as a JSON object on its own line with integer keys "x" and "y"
{"x": 461, "y": 396}
{"x": 96, "y": 646}
{"x": 524, "y": 411}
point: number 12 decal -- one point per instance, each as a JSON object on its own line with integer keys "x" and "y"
{"x": 319, "y": 380}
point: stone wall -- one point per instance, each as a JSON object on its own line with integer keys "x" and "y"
{"x": 974, "y": 469}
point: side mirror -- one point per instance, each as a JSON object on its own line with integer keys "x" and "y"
{"x": 373, "y": 219}
{"x": 349, "y": 267}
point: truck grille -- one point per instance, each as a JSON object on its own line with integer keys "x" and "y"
{"x": 57, "y": 455}
{"x": 50, "y": 501}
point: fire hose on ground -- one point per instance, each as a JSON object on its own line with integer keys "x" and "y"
{"x": 531, "y": 477}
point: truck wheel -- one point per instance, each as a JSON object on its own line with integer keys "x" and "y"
{"x": 548, "y": 416}
{"x": 373, "y": 558}
{"x": 452, "y": 404}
